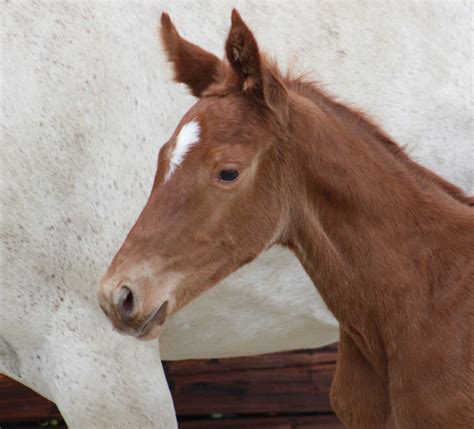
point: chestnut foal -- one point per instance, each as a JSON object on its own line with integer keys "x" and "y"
{"x": 264, "y": 159}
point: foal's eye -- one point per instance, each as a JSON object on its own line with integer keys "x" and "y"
{"x": 228, "y": 175}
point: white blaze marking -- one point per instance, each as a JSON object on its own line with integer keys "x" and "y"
{"x": 188, "y": 136}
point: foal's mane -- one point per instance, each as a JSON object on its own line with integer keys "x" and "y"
{"x": 310, "y": 90}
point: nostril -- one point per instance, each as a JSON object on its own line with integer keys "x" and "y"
{"x": 126, "y": 302}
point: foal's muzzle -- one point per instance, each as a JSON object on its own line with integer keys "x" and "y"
{"x": 125, "y": 310}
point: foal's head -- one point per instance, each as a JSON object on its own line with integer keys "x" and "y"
{"x": 219, "y": 197}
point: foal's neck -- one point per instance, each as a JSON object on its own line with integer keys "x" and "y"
{"x": 367, "y": 231}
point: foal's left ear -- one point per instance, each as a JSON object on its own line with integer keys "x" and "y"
{"x": 256, "y": 77}
{"x": 194, "y": 66}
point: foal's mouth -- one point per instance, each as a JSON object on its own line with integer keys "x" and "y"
{"x": 157, "y": 318}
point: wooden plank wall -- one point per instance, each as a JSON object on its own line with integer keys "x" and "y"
{"x": 276, "y": 391}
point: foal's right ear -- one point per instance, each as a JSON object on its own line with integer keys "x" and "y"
{"x": 256, "y": 76}
{"x": 192, "y": 65}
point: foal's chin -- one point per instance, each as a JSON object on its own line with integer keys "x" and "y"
{"x": 152, "y": 333}
{"x": 155, "y": 323}
{"x": 144, "y": 328}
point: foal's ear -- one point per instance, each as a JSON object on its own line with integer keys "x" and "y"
{"x": 192, "y": 65}
{"x": 255, "y": 74}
